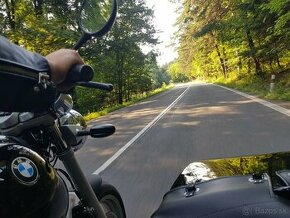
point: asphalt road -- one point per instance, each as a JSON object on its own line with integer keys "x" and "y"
{"x": 206, "y": 121}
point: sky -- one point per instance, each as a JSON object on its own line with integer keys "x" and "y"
{"x": 164, "y": 20}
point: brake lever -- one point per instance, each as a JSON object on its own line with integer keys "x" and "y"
{"x": 96, "y": 85}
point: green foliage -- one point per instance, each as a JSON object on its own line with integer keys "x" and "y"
{"x": 176, "y": 73}
{"x": 40, "y": 26}
{"x": 233, "y": 38}
{"x": 258, "y": 86}
{"x": 44, "y": 26}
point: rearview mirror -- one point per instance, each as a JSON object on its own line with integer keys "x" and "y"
{"x": 96, "y": 19}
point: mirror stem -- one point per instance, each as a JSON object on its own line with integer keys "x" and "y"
{"x": 84, "y": 38}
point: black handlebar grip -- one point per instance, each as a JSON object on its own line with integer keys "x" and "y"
{"x": 80, "y": 73}
{"x": 96, "y": 85}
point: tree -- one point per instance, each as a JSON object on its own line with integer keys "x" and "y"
{"x": 132, "y": 29}
{"x": 233, "y": 37}
{"x": 40, "y": 26}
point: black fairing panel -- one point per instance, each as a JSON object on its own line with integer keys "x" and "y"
{"x": 58, "y": 206}
{"x": 251, "y": 186}
{"x": 210, "y": 169}
{"x": 236, "y": 196}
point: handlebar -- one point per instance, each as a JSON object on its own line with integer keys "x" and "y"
{"x": 96, "y": 85}
{"x": 81, "y": 75}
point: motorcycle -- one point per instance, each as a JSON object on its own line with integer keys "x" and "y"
{"x": 31, "y": 143}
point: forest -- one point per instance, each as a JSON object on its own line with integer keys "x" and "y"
{"x": 46, "y": 25}
{"x": 242, "y": 42}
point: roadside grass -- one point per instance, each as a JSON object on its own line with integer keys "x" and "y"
{"x": 257, "y": 86}
{"x": 107, "y": 110}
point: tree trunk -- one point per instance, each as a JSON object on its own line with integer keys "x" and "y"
{"x": 271, "y": 65}
{"x": 119, "y": 62}
{"x": 240, "y": 64}
{"x": 258, "y": 69}
{"x": 249, "y": 66}
{"x": 10, "y": 10}
{"x": 38, "y": 5}
{"x": 221, "y": 61}
{"x": 225, "y": 59}
{"x": 278, "y": 62}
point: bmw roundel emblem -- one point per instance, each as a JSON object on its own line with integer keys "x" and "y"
{"x": 25, "y": 170}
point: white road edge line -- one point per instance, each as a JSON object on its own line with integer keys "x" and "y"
{"x": 146, "y": 128}
{"x": 258, "y": 100}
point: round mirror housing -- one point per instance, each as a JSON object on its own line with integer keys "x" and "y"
{"x": 96, "y": 19}
{"x": 96, "y": 16}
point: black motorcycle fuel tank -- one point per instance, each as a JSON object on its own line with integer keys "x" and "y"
{"x": 29, "y": 186}
{"x": 253, "y": 186}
